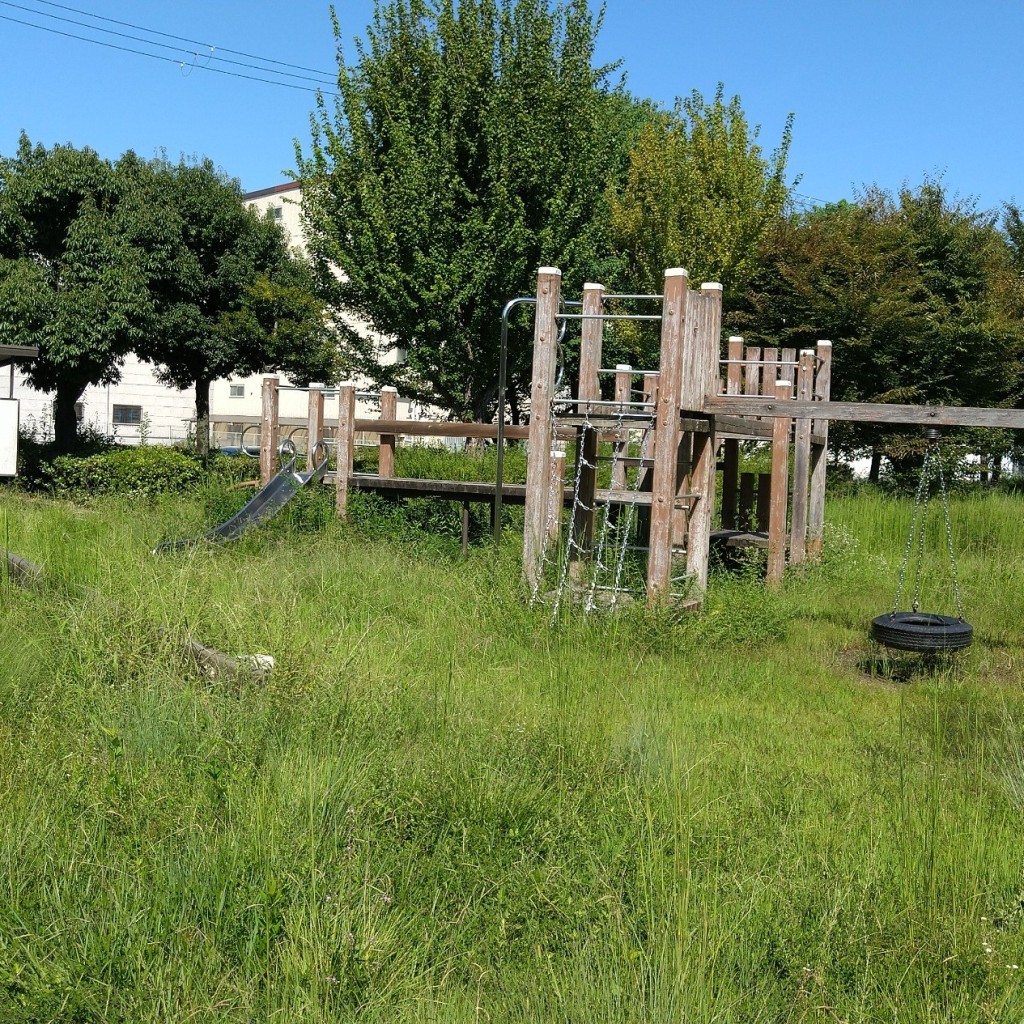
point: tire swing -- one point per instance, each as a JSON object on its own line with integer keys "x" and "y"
{"x": 917, "y": 631}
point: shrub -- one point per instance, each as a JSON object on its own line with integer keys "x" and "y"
{"x": 146, "y": 470}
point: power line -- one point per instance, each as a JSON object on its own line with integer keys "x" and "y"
{"x": 163, "y": 46}
{"x": 157, "y": 56}
{"x": 184, "y": 39}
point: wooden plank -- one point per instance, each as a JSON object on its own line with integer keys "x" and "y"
{"x": 752, "y": 372}
{"x": 872, "y": 412}
{"x": 780, "y": 489}
{"x": 819, "y": 454}
{"x": 745, "y": 516}
{"x": 801, "y": 461}
{"x": 314, "y": 424}
{"x": 702, "y": 475}
{"x": 620, "y": 444}
{"x": 386, "y": 449}
{"x": 730, "y": 482}
{"x": 269, "y": 429}
{"x": 663, "y": 486}
{"x": 734, "y": 371}
{"x": 770, "y": 370}
{"x": 556, "y": 487}
{"x": 346, "y": 445}
{"x": 545, "y": 343}
{"x": 591, "y": 337}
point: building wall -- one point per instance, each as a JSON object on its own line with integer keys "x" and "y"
{"x": 165, "y": 415}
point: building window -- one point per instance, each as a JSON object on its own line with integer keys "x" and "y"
{"x": 80, "y": 412}
{"x": 236, "y": 391}
{"x": 278, "y": 212}
{"x": 127, "y": 415}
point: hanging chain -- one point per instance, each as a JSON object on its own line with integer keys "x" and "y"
{"x": 910, "y": 537}
{"x": 923, "y": 526}
{"x": 949, "y": 543}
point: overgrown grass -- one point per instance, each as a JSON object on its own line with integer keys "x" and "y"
{"x": 439, "y": 809}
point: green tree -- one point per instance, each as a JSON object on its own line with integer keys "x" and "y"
{"x": 72, "y": 271}
{"x": 700, "y": 194}
{"x": 917, "y": 293}
{"x": 472, "y": 142}
{"x": 230, "y": 296}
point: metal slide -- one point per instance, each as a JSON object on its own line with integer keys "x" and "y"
{"x": 261, "y": 507}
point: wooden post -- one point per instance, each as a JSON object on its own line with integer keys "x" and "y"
{"x": 702, "y": 473}
{"x": 780, "y": 488}
{"x": 556, "y": 490}
{"x": 752, "y": 372}
{"x": 763, "y": 501}
{"x": 819, "y": 454}
{"x": 346, "y": 445}
{"x": 269, "y": 429}
{"x": 545, "y": 336}
{"x": 734, "y": 373}
{"x": 801, "y": 462}
{"x": 314, "y": 424}
{"x": 650, "y": 399}
{"x": 620, "y": 445}
{"x": 731, "y": 447}
{"x": 591, "y": 336}
{"x": 586, "y": 437}
{"x": 770, "y": 371}
{"x": 663, "y": 486}
{"x": 386, "y": 451}
{"x": 745, "y": 520}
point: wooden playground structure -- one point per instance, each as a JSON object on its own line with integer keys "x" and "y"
{"x": 656, "y": 448}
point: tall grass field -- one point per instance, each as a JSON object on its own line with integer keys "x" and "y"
{"x": 442, "y": 807}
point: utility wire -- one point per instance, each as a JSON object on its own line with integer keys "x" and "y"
{"x": 184, "y": 39}
{"x": 156, "y": 56}
{"x": 163, "y": 46}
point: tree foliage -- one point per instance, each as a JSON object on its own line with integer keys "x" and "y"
{"x": 72, "y": 270}
{"x": 699, "y": 193}
{"x": 472, "y": 142}
{"x": 229, "y": 295}
{"x": 917, "y": 292}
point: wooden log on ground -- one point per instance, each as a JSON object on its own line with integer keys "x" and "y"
{"x": 545, "y": 335}
{"x": 780, "y": 490}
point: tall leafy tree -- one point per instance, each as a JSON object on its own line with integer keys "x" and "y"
{"x": 472, "y": 142}
{"x": 72, "y": 270}
{"x": 917, "y": 292}
{"x": 230, "y": 297}
{"x": 699, "y": 193}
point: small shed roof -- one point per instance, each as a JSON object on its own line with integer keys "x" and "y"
{"x": 9, "y": 352}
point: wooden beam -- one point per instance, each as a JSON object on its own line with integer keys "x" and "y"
{"x": 673, "y": 325}
{"x": 780, "y": 488}
{"x": 386, "y": 451}
{"x": 346, "y": 443}
{"x": 269, "y": 429}
{"x": 314, "y": 424}
{"x": 872, "y": 412}
{"x": 819, "y": 454}
{"x": 545, "y": 345}
{"x": 801, "y": 461}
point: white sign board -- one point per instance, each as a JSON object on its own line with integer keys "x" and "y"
{"x": 8, "y": 436}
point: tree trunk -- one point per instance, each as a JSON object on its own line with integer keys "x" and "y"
{"x": 876, "y": 465}
{"x": 203, "y": 417}
{"x": 65, "y": 422}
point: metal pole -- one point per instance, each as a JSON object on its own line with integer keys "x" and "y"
{"x": 499, "y": 471}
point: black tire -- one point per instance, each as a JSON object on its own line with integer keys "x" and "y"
{"x": 923, "y": 632}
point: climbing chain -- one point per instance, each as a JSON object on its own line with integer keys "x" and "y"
{"x": 932, "y": 458}
{"x": 607, "y": 559}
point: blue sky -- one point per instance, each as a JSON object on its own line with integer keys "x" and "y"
{"x": 883, "y": 93}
